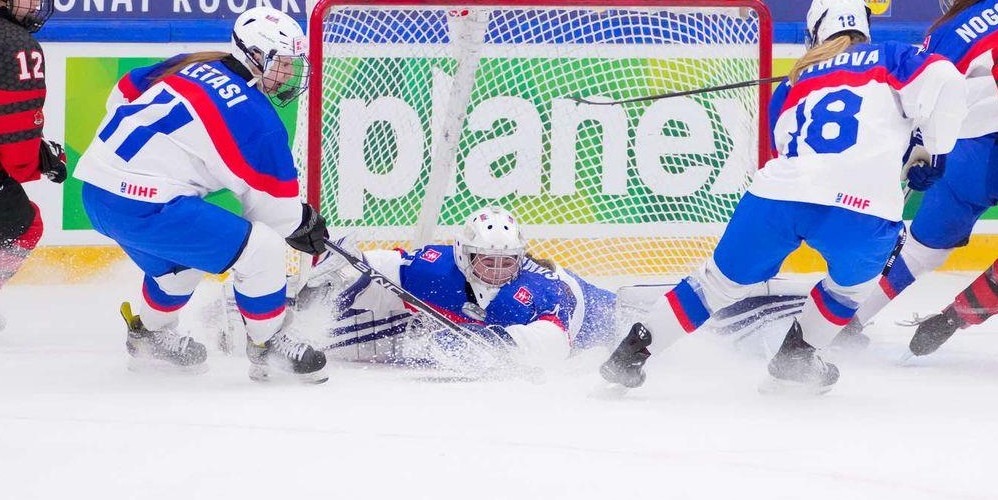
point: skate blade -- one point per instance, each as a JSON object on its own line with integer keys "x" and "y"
{"x": 262, "y": 373}
{"x": 779, "y": 387}
{"x": 149, "y": 365}
{"x": 906, "y": 358}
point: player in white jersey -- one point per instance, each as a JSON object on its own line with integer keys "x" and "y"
{"x": 529, "y": 309}
{"x": 840, "y": 124}
{"x": 963, "y": 184}
{"x": 179, "y": 130}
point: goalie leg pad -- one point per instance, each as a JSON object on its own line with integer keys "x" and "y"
{"x": 260, "y": 283}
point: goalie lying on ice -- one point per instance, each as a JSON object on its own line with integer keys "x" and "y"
{"x": 535, "y": 311}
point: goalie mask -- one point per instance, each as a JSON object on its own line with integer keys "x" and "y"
{"x": 273, "y": 47}
{"x": 827, "y": 18}
{"x": 490, "y": 248}
{"x": 31, "y": 14}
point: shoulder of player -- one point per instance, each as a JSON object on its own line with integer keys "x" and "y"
{"x": 535, "y": 290}
{"x": 14, "y": 38}
{"x": 438, "y": 257}
{"x": 212, "y": 84}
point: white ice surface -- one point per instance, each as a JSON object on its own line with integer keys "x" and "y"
{"x": 74, "y": 423}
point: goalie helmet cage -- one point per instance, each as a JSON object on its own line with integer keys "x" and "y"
{"x": 419, "y": 113}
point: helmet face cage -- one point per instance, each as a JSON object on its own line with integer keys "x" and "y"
{"x": 31, "y": 14}
{"x": 285, "y": 78}
{"x": 492, "y": 267}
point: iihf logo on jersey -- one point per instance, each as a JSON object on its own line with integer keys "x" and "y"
{"x": 523, "y": 296}
{"x": 430, "y": 255}
{"x": 139, "y": 191}
{"x": 852, "y": 201}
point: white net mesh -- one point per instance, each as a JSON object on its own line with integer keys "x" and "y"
{"x": 429, "y": 113}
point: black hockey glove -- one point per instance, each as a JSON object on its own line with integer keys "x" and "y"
{"x": 52, "y": 161}
{"x": 310, "y": 235}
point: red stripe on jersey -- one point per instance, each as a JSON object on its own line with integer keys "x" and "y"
{"x": 843, "y": 78}
{"x": 226, "y": 145}
{"x": 981, "y": 46}
{"x": 677, "y": 309}
{"x": 21, "y": 121}
{"x": 128, "y": 89}
{"x": 553, "y": 319}
{"x": 14, "y": 96}
{"x": 825, "y": 311}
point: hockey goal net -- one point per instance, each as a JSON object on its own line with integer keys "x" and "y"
{"x": 420, "y": 113}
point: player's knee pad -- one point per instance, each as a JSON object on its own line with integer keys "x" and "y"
{"x": 830, "y": 307}
{"x": 717, "y": 290}
{"x": 260, "y": 282}
{"x": 920, "y": 259}
{"x": 914, "y": 260}
{"x": 163, "y": 297}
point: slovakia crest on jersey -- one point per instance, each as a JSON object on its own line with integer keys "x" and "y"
{"x": 523, "y": 296}
{"x": 430, "y": 255}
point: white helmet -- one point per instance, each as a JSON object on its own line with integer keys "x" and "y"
{"x": 490, "y": 247}
{"x": 826, "y": 18}
{"x": 273, "y": 46}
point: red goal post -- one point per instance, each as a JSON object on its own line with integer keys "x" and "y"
{"x": 369, "y": 58}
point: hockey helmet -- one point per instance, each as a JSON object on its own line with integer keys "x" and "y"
{"x": 31, "y": 14}
{"x": 944, "y": 5}
{"x": 273, "y": 46}
{"x": 827, "y": 18}
{"x": 490, "y": 247}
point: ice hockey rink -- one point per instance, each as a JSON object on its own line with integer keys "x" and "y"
{"x": 75, "y": 423}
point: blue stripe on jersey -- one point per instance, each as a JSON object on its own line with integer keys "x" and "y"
{"x": 176, "y": 118}
{"x": 776, "y": 109}
{"x": 901, "y": 61}
{"x": 127, "y": 110}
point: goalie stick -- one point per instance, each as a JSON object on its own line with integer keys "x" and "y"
{"x": 669, "y": 95}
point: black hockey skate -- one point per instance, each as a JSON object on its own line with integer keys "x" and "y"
{"x": 934, "y": 331}
{"x": 164, "y": 347}
{"x": 625, "y": 364}
{"x": 797, "y": 368}
{"x": 287, "y": 355}
{"x": 851, "y": 338}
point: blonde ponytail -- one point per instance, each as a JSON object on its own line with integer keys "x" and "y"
{"x": 827, "y": 50}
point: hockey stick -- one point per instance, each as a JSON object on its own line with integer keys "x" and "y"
{"x": 669, "y": 95}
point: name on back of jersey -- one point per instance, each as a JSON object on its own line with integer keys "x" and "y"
{"x": 231, "y": 93}
{"x": 978, "y": 25}
{"x": 857, "y": 58}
